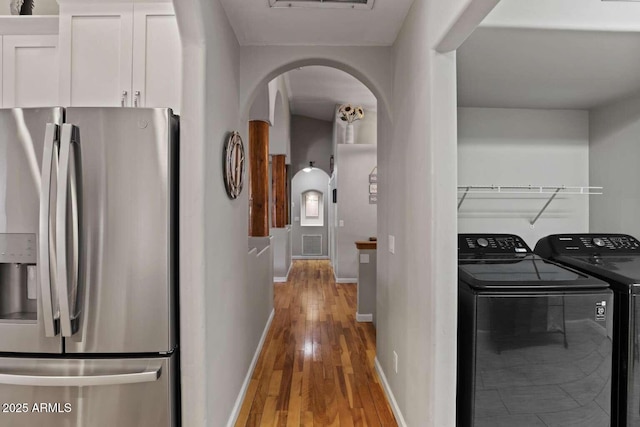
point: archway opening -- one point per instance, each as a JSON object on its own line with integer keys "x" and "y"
{"x": 308, "y": 111}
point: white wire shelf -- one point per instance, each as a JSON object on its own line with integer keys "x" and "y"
{"x": 527, "y": 189}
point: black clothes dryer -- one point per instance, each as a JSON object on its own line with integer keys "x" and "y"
{"x": 614, "y": 258}
{"x": 534, "y": 338}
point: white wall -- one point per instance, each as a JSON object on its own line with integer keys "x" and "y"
{"x": 280, "y": 131}
{"x": 223, "y": 313}
{"x": 281, "y": 249}
{"x": 358, "y": 216}
{"x": 417, "y": 292}
{"x": 311, "y": 140}
{"x": 613, "y": 164}
{"x": 371, "y": 65}
{"x": 523, "y": 147}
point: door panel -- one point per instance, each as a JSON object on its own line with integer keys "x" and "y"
{"x": 126, "y": 260}
{"x": 95, "y": 54}
{"x": 30, "y": 71}
{"x": 95, "y": 392}
{"x": 157, "y": 58}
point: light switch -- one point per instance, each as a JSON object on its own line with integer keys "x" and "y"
{"x": 341, "y": 223}
{"x": 392, "y": 244}
{"x": 364, "y": 258}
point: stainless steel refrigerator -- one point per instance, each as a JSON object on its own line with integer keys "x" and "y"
{"x": 88, "y": 298}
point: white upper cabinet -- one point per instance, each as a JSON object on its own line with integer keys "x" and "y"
{"x": 95, "y": 54}
{"x": 119, "y": 54}
{"x": 29, "y": 71}
{"x": 157, "y": 58}
{"x": 29, "y": 61}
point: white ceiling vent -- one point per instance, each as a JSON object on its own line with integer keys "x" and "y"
{"x": 342, "y": 4}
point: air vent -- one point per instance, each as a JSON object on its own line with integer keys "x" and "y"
{"x": 311, "y": 244}
{"x": 343, "y": 4}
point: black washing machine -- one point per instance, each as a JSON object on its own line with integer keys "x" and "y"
{"x": 534, "y": 338}
{"x": 614, "y": 258}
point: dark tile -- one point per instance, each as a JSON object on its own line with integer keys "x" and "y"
{"x": 587, "y": 416}
{"x": 536, "y": 399}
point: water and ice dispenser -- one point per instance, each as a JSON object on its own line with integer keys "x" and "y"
{"x": 18, "y": 278}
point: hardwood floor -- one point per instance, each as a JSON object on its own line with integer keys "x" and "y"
{"x": 317, "y": 364}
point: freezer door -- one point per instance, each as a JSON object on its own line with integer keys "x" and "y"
{"x": 94, "y": 392}
{"x": 27, "y": 315}
{"x": 125, "y": 291}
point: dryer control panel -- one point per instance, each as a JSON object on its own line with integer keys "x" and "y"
{"x": 566, "y": 244}
{"x": 479, "y": 244}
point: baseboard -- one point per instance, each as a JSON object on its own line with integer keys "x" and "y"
{"x": 364, "y": 317}
{"x": 309, "y": 257}
{"x": 283, "y": 279}
{"x": 243, "y": 391}
{"x": 346, "y": 280}
{"x": 392, "y": 400}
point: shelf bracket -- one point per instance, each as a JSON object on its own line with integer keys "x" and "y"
{"x": 553, "y": 196}
{"x": 463, "y": 197}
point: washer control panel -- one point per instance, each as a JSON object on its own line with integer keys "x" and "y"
{"x": 589, "y": 244}
{"x": 491, "y": 244}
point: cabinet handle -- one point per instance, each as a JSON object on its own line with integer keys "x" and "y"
{"x": 136, "y": 98}
{"x": 123, "y": 100}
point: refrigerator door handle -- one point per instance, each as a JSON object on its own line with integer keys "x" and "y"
{"x": 69, "y": 197}
{"x": 38, "y": 380}
{"x": 46, "y": 241}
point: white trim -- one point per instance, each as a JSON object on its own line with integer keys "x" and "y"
{"x": 29, "y": 25}
{"x": 309, "y": 257}
{"x": 466, "y": 22}
{"x": 346, "y": 280}
{"x": 283, "y": 279}
{"x": 392, "y": 400}
{"x": 245, "y": 385}
{"x": 364, "y": 317}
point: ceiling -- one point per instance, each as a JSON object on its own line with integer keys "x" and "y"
{"x": 256, "y": 23}
{"x": 314, "y": 92}
{"x": 528, "y": 68}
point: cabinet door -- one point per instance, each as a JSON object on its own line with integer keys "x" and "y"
{"x": 30, "y": 71}
{"x": 95, "y": 54}
{"x": 157, "y": 57}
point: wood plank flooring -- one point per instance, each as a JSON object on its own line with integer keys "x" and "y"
{"x": 317, "y": 364}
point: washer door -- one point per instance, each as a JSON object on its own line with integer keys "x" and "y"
{"x": 543, "y": 360}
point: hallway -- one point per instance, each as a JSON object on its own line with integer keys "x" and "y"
{"x": 317, "y": 364}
